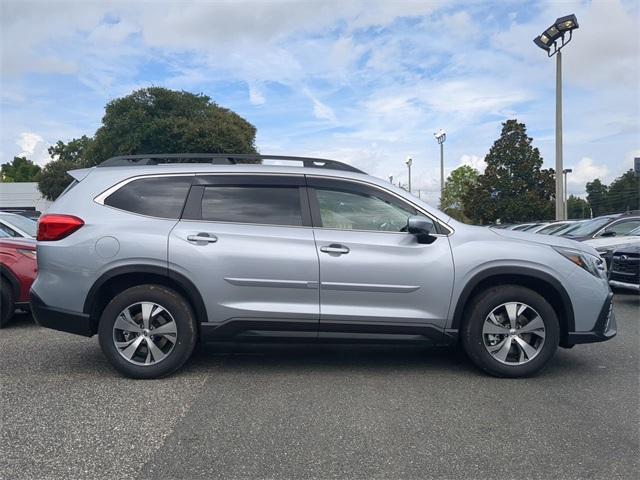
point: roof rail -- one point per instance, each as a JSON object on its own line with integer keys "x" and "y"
{"x": 221, "y": 159}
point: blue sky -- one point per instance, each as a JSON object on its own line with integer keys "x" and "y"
{"x": 367, "y": 82}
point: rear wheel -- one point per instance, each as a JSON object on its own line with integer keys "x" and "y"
{"x": 148, "y": 331}
{"x": 511, "y": 331}
{"x": 7, "y": 305}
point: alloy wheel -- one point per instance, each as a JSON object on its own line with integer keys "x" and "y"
{"x": 513, "y": 333}
{"x": 145, "y": 333}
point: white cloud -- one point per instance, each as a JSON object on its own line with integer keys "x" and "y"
{"x": 33, "y": 147}
{"x": 320, "y": 110}
{"x": 585, "y": 171}
{"x": 473, "y": 161}
{"x": 256, "y": 97}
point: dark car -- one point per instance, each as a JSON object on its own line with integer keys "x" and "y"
{"x": 17, "y": 272}
{"x": 625, "y": 268}
{"x": 605, "y": 226}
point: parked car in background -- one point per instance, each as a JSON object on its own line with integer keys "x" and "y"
{"x": 605, "y": 226}
{"x": 550, "y": 228}
{"x": 155, "y": 253}
{"x": 17, "y": 272}
{"x": 606, "y": 245}
{"x": 15, "y": 225}
{"x": 625, "y": 268}
{"x": 522, "y": 227}
{"x": 568, "y": 228}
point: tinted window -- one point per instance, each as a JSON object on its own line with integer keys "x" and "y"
{"x": 252, "y": 204}
{"x": 157, "y": 196}
{"x": 360, "y": 211}
{"x": 623, "y": 227}
{"x": 25, "y": 224}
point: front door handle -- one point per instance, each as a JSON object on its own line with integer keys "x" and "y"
{"x": 335, "y": 248}
{"x": 202, "y": 237}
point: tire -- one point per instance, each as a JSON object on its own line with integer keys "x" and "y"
{"x": 7, "y": 302}
{"x": 145, "y": 355}
{"x": 520, "y": 361}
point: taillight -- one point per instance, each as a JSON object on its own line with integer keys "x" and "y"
{"x": 56, "y": 227}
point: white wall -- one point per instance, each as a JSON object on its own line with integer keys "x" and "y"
{"x": 22, "y": 194}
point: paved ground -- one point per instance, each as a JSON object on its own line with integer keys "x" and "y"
{"x": 317, "y": 412}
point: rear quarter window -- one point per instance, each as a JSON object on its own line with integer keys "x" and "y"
{"x": 155, "y": 196}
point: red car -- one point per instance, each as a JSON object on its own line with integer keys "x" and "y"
{"x": 17, "y": 273}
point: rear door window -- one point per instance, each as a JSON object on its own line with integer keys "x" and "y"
{"x": 153, "y": 196}
{"x": 260, "y": 204}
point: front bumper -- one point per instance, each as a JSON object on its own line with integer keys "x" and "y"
{"x": 625, "y": 285}
{"x": 604, "y": 329}
{"x": 59, "y": 319}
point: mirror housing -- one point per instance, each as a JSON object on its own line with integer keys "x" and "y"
{"x": 609, "y": 233}
{"x": 422, "y": 228}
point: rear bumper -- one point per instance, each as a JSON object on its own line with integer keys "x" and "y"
{"x": 625, "y": 285}
{"x": 59, "y": 319}
{"x": 604, "y": 329}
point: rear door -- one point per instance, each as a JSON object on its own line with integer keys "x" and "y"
{"x": 246, "y": 243}
{"x": 375, "y": 278}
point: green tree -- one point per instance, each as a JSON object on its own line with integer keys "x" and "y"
{"x": 597, "y": 196}
{"x": 65, "y": 156}
{"x": 624, "y": 193}
{"x": 158, "y": 120}
{"x": 514, "y": 186}
{"x": 577, "y": 207}
{"x": 456, "y": 186}
{"x": 19, "y": 170}
{"x": 151, "y": 120}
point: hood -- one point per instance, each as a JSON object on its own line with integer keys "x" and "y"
{"x": 629, "y": 248}
{"x": 613, "y": 241}
{"x": 550, "y": 240}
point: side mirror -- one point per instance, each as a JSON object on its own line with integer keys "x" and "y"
{"x": 609, "y": 233}
{"x": 421, "y": 227}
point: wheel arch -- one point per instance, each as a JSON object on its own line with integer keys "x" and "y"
{"x": 541, "y": 282}
{"x": 115, "y": 281}
{"x": 8, "y": 275}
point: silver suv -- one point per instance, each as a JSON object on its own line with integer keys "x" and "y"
{"x": 156, "y": 252}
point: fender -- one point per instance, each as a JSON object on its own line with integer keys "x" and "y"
{"x": 522, "y": 272}
{"x": 185, "y": 284}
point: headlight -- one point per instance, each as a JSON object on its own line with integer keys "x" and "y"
{"x": 596, "y": 266}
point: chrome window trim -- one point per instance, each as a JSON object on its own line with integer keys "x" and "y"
{"x": 100, "y": 198}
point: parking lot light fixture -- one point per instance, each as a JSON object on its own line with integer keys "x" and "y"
{"x": 441, "y": 136}
{"x": 552, "y": 40}
{"x": 409, "y": 163}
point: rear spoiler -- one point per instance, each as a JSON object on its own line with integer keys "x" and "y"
{"x": 79, "y": 174}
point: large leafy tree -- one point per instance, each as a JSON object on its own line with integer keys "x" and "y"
{"x": 514, "y": 186}
{"x": 577, "y": 207}
{"x": 456, "y": 186}
{"x": 19, "y": 170}
{"x": 624, "y": 193}
{"x": 151, "y": 120}
{"x": 158, "y": 120}
{"x": 65, "y": 156}
{"x": 597, "y": 196}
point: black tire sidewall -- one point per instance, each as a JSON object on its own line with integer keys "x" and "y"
{"x": 483, "y": 304}
{"x": 185, "y": 324}
{"x": 7, "y": 305}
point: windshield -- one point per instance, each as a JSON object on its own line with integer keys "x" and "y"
{"x": 23, "y": 223}
{"x": 589, "y": 227}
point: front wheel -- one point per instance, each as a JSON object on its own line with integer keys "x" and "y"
{"x": 147, "y": 331}
{"x": 511, "y": 331}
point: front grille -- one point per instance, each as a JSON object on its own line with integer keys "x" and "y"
{"x": 625, "y": 268}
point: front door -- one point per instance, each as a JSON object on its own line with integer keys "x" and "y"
{"x": 374, "y": 276}
{"x": 246, "y": 243}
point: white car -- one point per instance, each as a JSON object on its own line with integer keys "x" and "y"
{"x": 606, "y": 245}
{"x": 14, "y": 225}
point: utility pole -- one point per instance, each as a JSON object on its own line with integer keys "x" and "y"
{"x": 565, "y": 172}
{"x": 409, "y": 162}
{"x": 441, "y": 136}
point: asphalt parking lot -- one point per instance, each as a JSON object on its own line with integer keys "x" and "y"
{"x": 317, "y": 412}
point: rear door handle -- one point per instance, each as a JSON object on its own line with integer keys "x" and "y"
{"x": 335, "y": 248}
{"x": 202, "y": 237}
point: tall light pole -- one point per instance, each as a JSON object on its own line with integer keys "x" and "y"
{"x": 391, "y": 179}
{"x": 441, "y": 136}
{"x": 554, "y": 36}
{"x": 409, "y": 162}
{"x": 565, "y": 172}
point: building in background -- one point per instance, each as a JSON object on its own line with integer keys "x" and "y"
{"x": 22, "y": 196}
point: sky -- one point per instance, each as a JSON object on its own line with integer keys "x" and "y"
{"x": 365, "y": 82}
